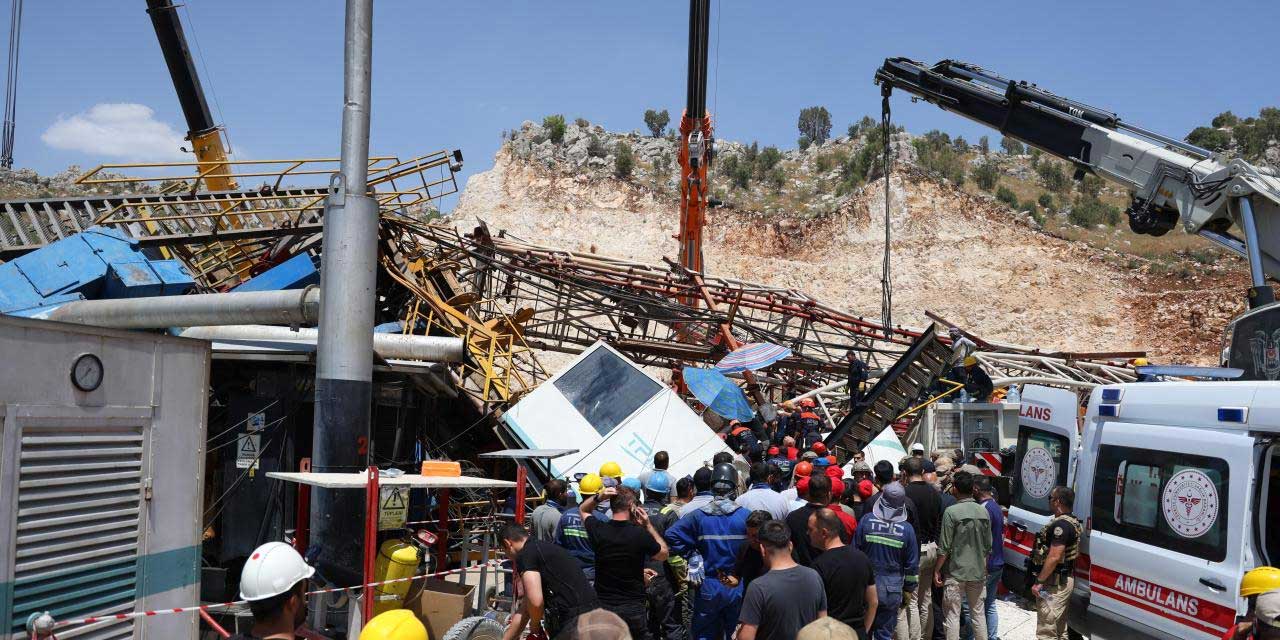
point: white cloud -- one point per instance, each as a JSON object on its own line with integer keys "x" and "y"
{"x": 120, "y": 130}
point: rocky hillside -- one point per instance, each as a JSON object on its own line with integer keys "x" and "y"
{"x": 805, "y": 219}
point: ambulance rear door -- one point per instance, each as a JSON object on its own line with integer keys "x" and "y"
{"x": 1166, "y": 519}
{"x": 1045, "y": 458}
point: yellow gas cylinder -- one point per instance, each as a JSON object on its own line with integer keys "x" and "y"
{"x": 395, "y": 560}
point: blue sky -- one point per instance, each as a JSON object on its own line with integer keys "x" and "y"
{"x": 457, "y": 74}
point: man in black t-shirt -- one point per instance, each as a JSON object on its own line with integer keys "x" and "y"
{"x": 846, "y": 574}
{"x": 798, "y": 520}
{"x": 622, "y": 546}
{"x": 552, "y": 587}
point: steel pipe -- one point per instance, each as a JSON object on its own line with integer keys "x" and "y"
{"x": 292, "y": 307}
{"x": 388, "y": 345}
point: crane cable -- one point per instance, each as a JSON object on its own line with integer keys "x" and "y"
{"x": 11, "y": 84}
{"x": 886, "y": 269}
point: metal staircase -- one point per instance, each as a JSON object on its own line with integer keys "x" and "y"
{"x": 897, "y": 391}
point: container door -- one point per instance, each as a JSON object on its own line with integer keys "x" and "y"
{"x": 1047, "y": 443}
{"x": 1168, "y": 519}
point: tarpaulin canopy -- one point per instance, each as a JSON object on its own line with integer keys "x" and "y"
{"x": 718, "y": 393}
{"x": 749, "y": 357}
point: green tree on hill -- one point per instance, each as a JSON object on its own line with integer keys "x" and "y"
{"x": 815, "y": 124}
{"x": 555, "y": 128}
{"x": 656, "y": 121}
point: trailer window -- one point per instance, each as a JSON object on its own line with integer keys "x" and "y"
{"x": 605, "y": 389}
{"x": 1040, "y": 466}
{"x": 1171, "y": 500}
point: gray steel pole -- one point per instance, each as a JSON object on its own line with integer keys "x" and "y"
{"x": 344, "y": 358}
{"x": 294, "y": 307}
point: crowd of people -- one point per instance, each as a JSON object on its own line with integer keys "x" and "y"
{"x": 909, "y": 551}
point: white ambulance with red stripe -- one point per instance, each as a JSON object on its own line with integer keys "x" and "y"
{"x": 1178, "y": 485}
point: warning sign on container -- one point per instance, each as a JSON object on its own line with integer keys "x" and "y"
{"x": 393, "y": 509}
{"x": 248, "y": 450}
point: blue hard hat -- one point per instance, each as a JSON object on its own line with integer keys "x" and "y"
{"x": 659, "y": 482}
{"x": 821, "y": 462}
{"x": 631, "y": 483}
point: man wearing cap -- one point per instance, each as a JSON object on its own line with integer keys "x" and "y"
{"x": 964, "y": 542}
{"x": 1266, "y": 620}
{"x": 716, "y": 531}
{"x": 889, "y": 541}
{"x": 274, "y": 581}
{"x": 761, "y": 497}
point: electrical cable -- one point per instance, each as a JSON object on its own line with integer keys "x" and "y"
{"x": 886, "y": 268}
{"x": 213, "y": 91}
{"x": 11, "y": 84}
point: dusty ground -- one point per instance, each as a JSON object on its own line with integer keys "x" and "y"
{"x": 962, "y": 256}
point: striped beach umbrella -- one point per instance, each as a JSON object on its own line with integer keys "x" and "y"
{"x": 749, "y": 357}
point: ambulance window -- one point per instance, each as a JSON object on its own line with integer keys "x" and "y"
{"x": 1173, "y": 501}
{"x": 1041, "y": 465}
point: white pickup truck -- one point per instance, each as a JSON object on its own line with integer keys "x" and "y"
{"x": 1178, "y": 485}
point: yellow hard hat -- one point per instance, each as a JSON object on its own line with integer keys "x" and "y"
{"x": 590, "y": 484}
{"x": 1259, "y": 580}
{"x": 969, "y": 361}
{"x": 1139, "y": 362}
{"x": 610, "y": 470}
{"x": 398, "y": 624}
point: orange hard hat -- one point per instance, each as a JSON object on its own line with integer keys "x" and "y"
{"x": 831, "y": 459}
{"x": 804, "y": 469}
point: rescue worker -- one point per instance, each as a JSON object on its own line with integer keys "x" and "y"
{"x": 397, "y": 624}
{"x": 274, "y": 581}
{"x": 858, "y": 375}
{"x": 716, "y": 531}
{"x": 889, "y": 541}
{"x": 1254, "y": 583}
{"x": 572, "y": 535}
{"x": 808, "y": 424}
{"x": 785, "y": 466}
{"x": 1052, "y": 561}
{"x": 789, "y": 448}
{"x": 976, "y": 381}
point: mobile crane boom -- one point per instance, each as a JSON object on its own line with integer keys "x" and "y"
{"x": 696, "y": 142}
{"x": 1172, "y": 181}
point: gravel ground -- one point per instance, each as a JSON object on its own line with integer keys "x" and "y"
{"x": 1016, "y": 622}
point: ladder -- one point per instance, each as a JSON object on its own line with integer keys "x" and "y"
{"x": 894, "y": 393}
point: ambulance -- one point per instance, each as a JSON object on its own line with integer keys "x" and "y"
{"x": 1178, "y": 486}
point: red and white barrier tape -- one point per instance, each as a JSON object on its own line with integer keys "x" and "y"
{"x": 59, "y": 624}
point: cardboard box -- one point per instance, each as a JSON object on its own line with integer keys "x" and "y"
{"x": 442, "y": 604}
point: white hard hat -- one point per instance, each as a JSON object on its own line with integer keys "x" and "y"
{"x": 917, "y": 447}
{"x": 271, "y": 570}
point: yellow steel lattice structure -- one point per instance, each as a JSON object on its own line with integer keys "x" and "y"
{"x": 502, "y": 366}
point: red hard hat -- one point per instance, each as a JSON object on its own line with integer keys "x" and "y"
{"x": 834, "y": 472}
{"x": 804, "y": 469}
{"x": 837, "y": 490}
{"x": 819, "y": 448}
{"x": 865, "y": 489}
{"x": 802, "y": 485}
{"x": 808, "y": 402}
{"x": 773, "y": 451}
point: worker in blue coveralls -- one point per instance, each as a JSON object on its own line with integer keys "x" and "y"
{"x": 717, "y": 531}
{"x": 890, "y": 543}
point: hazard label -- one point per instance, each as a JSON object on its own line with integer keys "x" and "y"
{"x": 248, "y": 450}
{"x": 393, "y": 507}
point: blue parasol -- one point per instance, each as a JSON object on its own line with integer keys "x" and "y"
{"x": 718, "y": 393}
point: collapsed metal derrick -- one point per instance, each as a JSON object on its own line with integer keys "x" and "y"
{"x": 563, "y": 301}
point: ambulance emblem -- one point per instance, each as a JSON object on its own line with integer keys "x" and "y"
{"x": 1266, "y": 354}
{"x": 1190, "y": 503}
{"x": 1039, "y": 472}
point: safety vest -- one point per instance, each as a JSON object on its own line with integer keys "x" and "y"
{"x": 1041, "y": 549}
